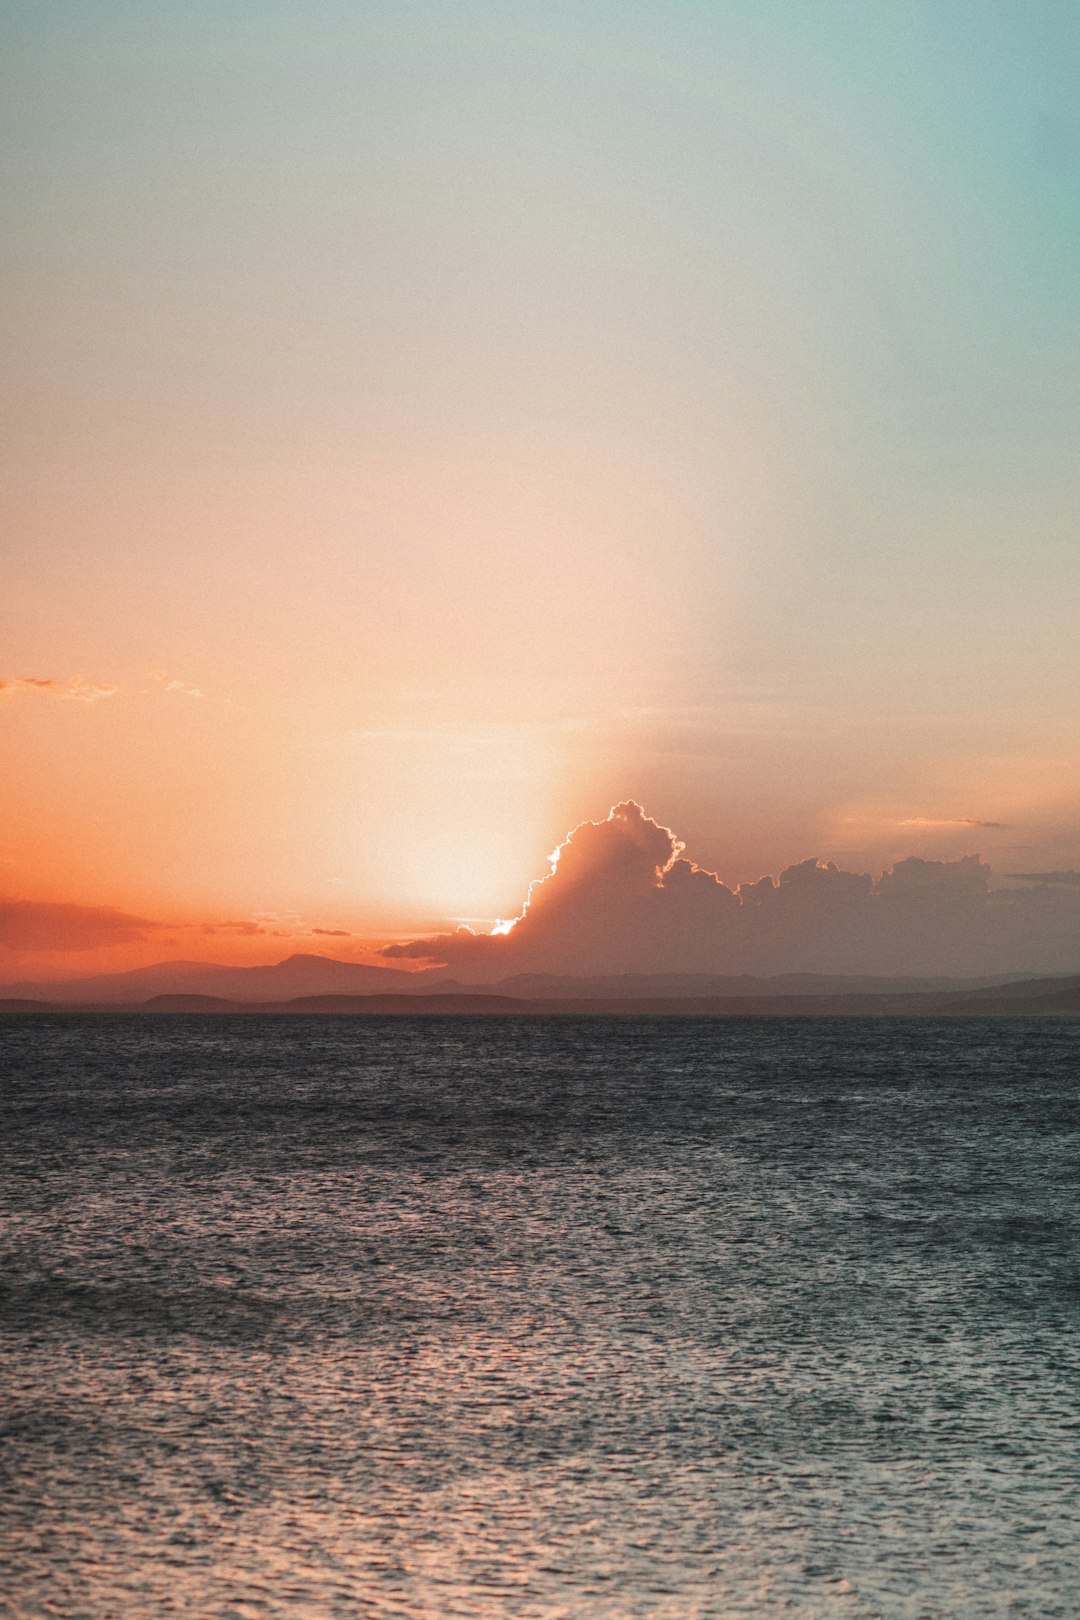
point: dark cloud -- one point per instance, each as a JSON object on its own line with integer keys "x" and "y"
{"x": 245, "y": 927}
{"x": 34, "y": 925}
{"x": 1069, "y": 880}
{"x": 951, "y": 821}
{"x": 334, "y": 933}
{"x": 621, "y": 898}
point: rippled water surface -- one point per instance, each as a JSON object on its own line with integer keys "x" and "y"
{"x": 540, "y": 1317}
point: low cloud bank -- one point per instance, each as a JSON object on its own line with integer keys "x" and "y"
{"x": 39, "y": 925}
{"x": 1070, "y": 880}
{"x": 622, "y": 898}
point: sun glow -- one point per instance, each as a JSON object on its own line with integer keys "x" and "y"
{"x": 504, "y": 926}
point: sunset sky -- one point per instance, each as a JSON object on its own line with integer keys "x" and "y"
{"x": 428, "y": 425}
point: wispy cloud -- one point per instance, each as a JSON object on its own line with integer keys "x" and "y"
{"x": 245, "y": 927}
{"x": 31, "y": 683}
{"x": 80, "y": 691}
{"x": 76, "y": 689}
{"x": 336, "y": 933}
{"x": 171, "y": 683}
{"x": 950, "y": 821}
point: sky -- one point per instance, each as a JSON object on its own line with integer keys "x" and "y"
{"x": 428, "y": 426}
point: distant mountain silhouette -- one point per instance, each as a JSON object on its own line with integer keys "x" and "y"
{"x": 466, "y": 1002}
{"x": 299, "y": 975}
{"x": 323, "y": 984}
{"x": 309, "y": 975}
{"x": 639, "y": 985}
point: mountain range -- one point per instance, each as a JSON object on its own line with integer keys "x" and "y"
{"x": 316, "y": 984}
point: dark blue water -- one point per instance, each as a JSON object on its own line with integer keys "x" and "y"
{"x": 540, "y": 1317}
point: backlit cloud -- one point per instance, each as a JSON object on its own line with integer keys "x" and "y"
{"x": 621, "y": 898}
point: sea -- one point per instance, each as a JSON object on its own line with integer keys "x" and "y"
{"x": 539, "y": 1317}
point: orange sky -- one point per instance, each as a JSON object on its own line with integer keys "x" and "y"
{"x": 424, "y": 434}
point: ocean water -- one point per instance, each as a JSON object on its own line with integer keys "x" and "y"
{"x": 540, "y": 1317}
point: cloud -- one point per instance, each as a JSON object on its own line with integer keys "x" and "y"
{"x": 80, "y": 691}
{"x": 620, "y": 897}
{"x": 16, "y": 683}
{"x": 76, "y": 689}
{"x": 35, "y": 925}
{"x": 245, "y": 926}
{"x": 335, "y": 933}
{"x": 1069, "y": 880}
{"x": 170, "y": 683}
{"x": 951, "y": 821}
